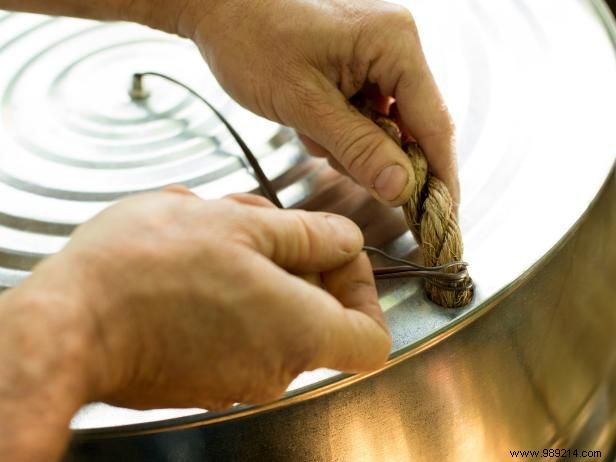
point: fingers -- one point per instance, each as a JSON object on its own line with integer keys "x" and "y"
{"x": 359, "y": 339}
{"x": 426, "y": 117}
{"x": 353, "y": 285}
{"x": 362, "y": 148}
{"x": 251, "y": 199}
{"x": 359, "y": 343}
{"x": 343, "y": 330}
{"x": 398, "y": 69}
{"x": 299, "y": 241}
{"x": 304, "y": 242}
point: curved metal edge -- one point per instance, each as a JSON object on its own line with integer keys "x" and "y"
{"x": 345, "y": 380}
{"x": 605, "y": 14}
{"x": 342, "y": 380}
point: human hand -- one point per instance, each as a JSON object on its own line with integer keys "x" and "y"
{"x": 298, "y": 62}
{"x": 196, "y": 304}
{"x": 336, "y": 193}
{"x": 166, "y": 300}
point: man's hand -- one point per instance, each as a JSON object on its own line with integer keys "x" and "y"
{"x": 166, "y": 300}
{"x": 298, "y": 62}
{"x": 201, "y": 303}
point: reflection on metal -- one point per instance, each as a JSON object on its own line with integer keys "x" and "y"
{"x": 531, "y": 364}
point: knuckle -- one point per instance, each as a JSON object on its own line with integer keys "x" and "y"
{"x": 306, "y": 97}
{"x": 288, "y": 240}
{"x": 304, "y": 238}
{"x": 402, "y": 17}
{"x": 396, "y": 30}
{"x": 149, "y": 232}
{"x": 245, "y": 225}
{"x": 392, "y": 16}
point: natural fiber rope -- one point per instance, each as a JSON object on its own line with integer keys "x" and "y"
{"x": 431, "y": 218}
{"x": 429, "y": 212}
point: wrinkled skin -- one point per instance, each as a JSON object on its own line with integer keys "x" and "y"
{"x": 298, "y": 63}
{"x": 224, "y": 272}
{"x": 168, "y": 300}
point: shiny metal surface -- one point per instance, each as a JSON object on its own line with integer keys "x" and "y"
{"x": 535, "y": 107}
{"x": 536, "y": 370}
{"x": 73, "y": 141}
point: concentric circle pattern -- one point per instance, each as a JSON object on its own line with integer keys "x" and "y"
{"x": 72, "y": 141}
{"x": 530, "y": 85}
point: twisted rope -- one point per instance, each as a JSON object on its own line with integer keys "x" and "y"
{"x": 429, "y": 212}
{"x": 431, "y": 218}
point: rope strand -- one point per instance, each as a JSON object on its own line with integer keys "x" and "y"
{"x": 430, "y": 217}
{"x": 429, "y": 212}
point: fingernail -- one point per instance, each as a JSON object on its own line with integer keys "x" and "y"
{"x": 391, "y": 182}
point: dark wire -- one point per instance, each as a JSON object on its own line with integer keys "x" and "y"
{"x": 408, "y": 263}
{"x": 264, "y": 182}
{"x": 437, "y": 275}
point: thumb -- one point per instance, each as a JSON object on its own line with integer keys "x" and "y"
{"x": 304, "y": 242}
{"x": 363, "y": 149}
